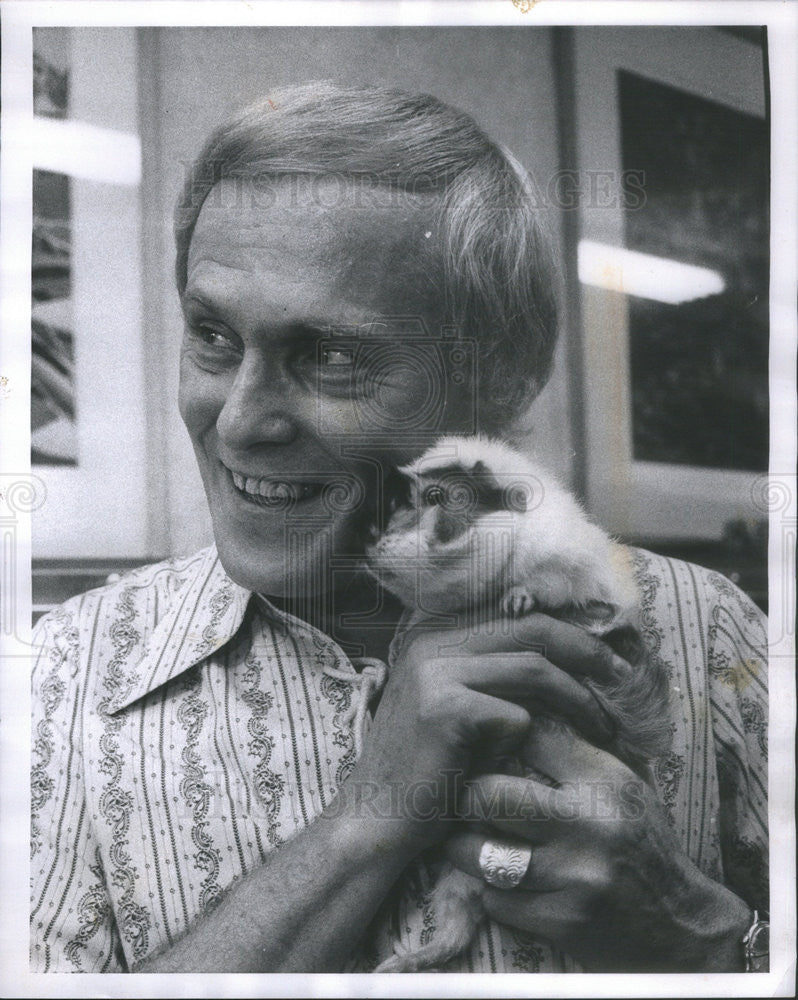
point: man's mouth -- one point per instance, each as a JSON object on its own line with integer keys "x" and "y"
{"x": 271, "y": 491}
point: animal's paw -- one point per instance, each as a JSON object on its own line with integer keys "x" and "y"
{"x": 518, "y": 602}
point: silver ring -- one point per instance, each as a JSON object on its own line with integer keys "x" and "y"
{"x": 504, "y": 863}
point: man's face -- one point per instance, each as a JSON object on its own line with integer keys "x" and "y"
{"x": 297, "y": 371}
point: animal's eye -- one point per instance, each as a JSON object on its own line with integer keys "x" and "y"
{"x": 434, "y": 496}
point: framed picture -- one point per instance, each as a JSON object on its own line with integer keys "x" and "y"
{"x": 673, "y": 251}
{"x": 88, "y": 425}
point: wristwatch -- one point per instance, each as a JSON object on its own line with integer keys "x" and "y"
{"x": 756, "y": 944}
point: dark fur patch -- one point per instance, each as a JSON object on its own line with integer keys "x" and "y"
{"x": 491, "y": 495}
{"x": 478, "y": 481}
{"x": 468, "y": 494}
{"x": 396, "y": 493}
{"x": 628, "y": 643}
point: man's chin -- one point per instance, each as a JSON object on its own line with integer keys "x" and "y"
{"x": 254, "y": 570}
{"x": 290, "y": 567}
{"x": 270, "y": 555}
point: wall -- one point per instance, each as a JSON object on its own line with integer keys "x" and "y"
{"x": 191, "y": 79}
{"x": 99, "y": 506}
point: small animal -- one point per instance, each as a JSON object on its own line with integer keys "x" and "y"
{"x": 475, "y": 526}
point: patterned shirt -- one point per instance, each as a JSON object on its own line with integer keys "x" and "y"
{"x": 184, "y": 728}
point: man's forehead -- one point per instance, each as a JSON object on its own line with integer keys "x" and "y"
{"x": 324, "y": 209}
{"x": 329, "y": 226}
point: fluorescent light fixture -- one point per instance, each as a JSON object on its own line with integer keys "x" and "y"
{"x": 644, "y": 275}
{"x": 85, "y": 151}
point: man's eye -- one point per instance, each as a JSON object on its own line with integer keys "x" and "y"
{"x": 338, "y": 359}
{"x": 337, "y": 370}
{"x": 209, "y": 336}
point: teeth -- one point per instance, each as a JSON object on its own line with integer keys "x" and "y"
{"x": 276, "y": 491}
{"x": 273, "y": 490}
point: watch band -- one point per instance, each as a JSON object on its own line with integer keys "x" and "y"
{"x": 756, "y": 944}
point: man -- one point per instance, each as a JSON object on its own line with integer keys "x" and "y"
{"x": 342, "y": 257}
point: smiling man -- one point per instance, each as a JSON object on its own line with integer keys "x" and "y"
{"x": 360, "y": 272}
{"x": 267, "y": 395}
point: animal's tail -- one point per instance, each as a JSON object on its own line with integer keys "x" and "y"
{"x": 459, "y": 911}
{"x": 639, "y": 703}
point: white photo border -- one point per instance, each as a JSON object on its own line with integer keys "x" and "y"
{"x": 15, "y": 604}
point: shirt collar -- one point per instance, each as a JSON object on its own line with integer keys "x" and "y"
{"x": 206, "y": 612}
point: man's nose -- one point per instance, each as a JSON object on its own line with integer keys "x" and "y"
{"x": 258, "y": 409}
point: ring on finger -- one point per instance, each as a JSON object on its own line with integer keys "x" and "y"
{"x": 503, "y": 863}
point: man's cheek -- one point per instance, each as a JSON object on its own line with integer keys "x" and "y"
{"x": 199, "y": 398}
{"x": 337, "y": 421}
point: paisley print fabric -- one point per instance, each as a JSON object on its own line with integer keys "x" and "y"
{"x": 184, "y": 728}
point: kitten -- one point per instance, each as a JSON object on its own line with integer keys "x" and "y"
{"x": 478, "y": 527}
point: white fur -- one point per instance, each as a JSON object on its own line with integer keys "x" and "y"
{"x": 548, "y": 556}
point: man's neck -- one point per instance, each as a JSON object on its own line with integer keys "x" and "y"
{"x": 359, "y": 615}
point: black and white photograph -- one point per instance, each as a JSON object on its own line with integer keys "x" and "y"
{"x": 398, "y": 498}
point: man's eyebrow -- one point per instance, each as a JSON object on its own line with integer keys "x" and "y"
{"x": 190, "y": 298}
{"x": 308, "y": 328}
{"x": 313, "y": 327}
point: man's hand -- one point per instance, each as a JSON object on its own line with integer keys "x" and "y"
{"x": 608, "y": 882}
{"x": 456, "y": 693}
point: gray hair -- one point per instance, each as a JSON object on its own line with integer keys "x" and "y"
{"x": 499, "y": 273}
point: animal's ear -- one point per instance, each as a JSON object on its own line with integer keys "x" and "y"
{"x": 490, "y": 493}
{"x": 483, "y": 473}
